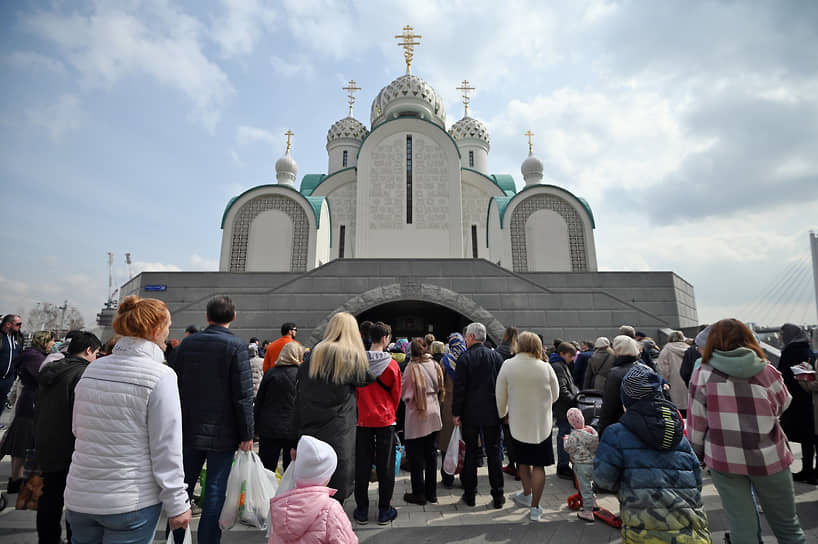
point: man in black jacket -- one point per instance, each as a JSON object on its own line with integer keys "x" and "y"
{"x": 474, "y": 407}
{"x": 216, "y": 390}
{"x": 52, "y": 430}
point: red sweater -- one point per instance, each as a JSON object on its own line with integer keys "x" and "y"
{"x": 376, "y": 405}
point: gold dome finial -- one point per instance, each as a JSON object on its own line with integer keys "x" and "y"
{"x": 466, "y": 89}
{"x": 288, "y": 134}
{"x": 408, "y": 43}
{"x": 351, "y": 89}
{"x": 530, "y": 145}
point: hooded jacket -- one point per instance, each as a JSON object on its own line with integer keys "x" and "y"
{"x": 646, "y": 458}
{"x": 53, "y": 438}
{"x": 611, "y": 409}
{"x": 735, "y": 400}
{"x": 378, "y": 402}
{"x": 308, "y": 515}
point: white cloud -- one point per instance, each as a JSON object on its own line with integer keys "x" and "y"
{"x": 242, "y": 25}
{"x": 163, "y": 43}
{"x": 287, "y": 69}
{"x": 50, "y": 261}
{"x": 143, "y": 266}
{"x": 236, "y": 158}
{"x": 63, "y": 116}
{"x": 36, "y": 62}
{"x": 200, "y": 263}
{"x": 246, "y": 135}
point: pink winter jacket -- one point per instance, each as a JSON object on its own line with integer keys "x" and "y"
{"x": 310, "y": 516}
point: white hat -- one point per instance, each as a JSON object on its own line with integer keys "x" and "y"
{"x": 625, "y": 345}
{"x": 602, "y": 342}
{"x": 315, "y": 462}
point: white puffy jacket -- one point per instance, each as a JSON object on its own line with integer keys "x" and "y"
{"x": 127, "y": 420}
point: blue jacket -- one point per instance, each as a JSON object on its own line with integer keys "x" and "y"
{"x": 216, "y": 390}
{"x": 475, "y": 380}
{"x": 647, "y": 459}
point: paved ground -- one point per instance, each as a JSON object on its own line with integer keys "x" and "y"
{"x": 451, "y": 521}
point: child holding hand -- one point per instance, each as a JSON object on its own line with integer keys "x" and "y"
{"x": 581, "y": 445}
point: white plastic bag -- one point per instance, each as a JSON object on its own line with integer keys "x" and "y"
{"x": 188, "y": 539}
{"x": 250, "y": 487}
{"x": 455, "y": 453}
{"x": 287, "y": 480}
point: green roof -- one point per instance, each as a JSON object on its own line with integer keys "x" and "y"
{"x": 313, "y": 201}
{"x": 503, "y": 181}
{"x": 310, "y": 182}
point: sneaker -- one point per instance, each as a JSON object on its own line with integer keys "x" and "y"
{"x": 535, "y": 513}
{"x": 386, "y": 516}
{"x": 361, "y": 516}
{"x": 411, "y": 498}
{"x": 468, "y": 499}
{"x": 498, "y": 501}
{"x": 522, "y": 500}
{"x": 585, "y": 515}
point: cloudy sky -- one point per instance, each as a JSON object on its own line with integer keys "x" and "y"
{"x": 690, "y": 127}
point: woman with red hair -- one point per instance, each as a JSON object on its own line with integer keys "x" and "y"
{"x": 127, "y": 463}
{"x": 736, "y": 398}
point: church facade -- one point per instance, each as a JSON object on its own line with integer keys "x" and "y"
{"x": 409, "y": 225}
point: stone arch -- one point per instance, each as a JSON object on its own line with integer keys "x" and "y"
{"x": 576, "y": 230}
{"x": 413, "y": 291}
{"x": 249, "y": 211}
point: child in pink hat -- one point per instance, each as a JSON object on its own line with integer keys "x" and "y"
{"x": 581, "y": 445}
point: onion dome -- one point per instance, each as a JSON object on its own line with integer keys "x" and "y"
{"x": 286, "y": 169}
{"x": 532, "y": 169}
{"x": 408, "y": 94}
{"x": 469, "y": 128}
{"x": 347, "y": 128}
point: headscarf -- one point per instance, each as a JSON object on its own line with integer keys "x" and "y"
{"x": 402, "y": 345}
{"x": 457, "y": 345}
{"x": 792, "y": 333}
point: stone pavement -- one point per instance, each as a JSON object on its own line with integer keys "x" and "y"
{"x": 452, "y": 521}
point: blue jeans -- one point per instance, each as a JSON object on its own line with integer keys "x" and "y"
{"x": 563, "y": 459}
{"x": 777, "y": 498}
{"x": 218, "y": 469}
{"x": 137, "y": 527}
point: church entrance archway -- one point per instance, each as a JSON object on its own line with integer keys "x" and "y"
{"x": 410, "y": 318}
{"x": 444, "y": 308}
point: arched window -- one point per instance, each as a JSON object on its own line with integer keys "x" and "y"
{"x": 471, "y": 159}
{"x": 344, "y": 160}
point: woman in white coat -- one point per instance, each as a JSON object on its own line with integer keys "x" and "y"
{"x": 127, "y": 462}
{"x": 526, "y": 388}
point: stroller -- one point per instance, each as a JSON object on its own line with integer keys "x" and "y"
{"x": 589, "y": 401}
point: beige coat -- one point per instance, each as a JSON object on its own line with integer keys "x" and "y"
{"x": 526, "y": 389}
{"x": 667, "y": 365}
{"x": 420, "y": 424}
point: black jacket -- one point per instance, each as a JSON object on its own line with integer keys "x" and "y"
{"x": 53, "y": 438}
{"x": 688, "y": 362}
{"x": 797, "y": 419}
{"x": 475, "y": 380}
{"x": 329, "y": 412}
{"x": 612, "y": 409}
{"x": 275, "y": 403}
{"x": 568, "y": 391}
{"x": 216, "y": 390}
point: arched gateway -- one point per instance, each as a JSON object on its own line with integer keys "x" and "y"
{"x": 428, "y": 295}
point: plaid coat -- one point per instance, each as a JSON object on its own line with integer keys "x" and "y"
{"x": 735, "y": 401}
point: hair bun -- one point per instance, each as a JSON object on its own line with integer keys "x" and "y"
{"x": 129, "y": 303}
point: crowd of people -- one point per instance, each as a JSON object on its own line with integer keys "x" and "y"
{"x": 122, "y": 432}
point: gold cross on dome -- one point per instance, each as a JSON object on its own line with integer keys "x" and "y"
{"x": 288, "y": 134}
{"x": 466, "y": 89}
{"x": 530, "y": 145}
{"x": 351, "y": 89}
{"x": 407, "y": 41}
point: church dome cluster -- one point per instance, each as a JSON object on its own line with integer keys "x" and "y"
{"x": 347, "y": 128}
{"x": 469, "y": 128}
{"x": 408, "y": 94}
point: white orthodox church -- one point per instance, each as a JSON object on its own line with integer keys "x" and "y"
{"x": 407, "y": 186}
